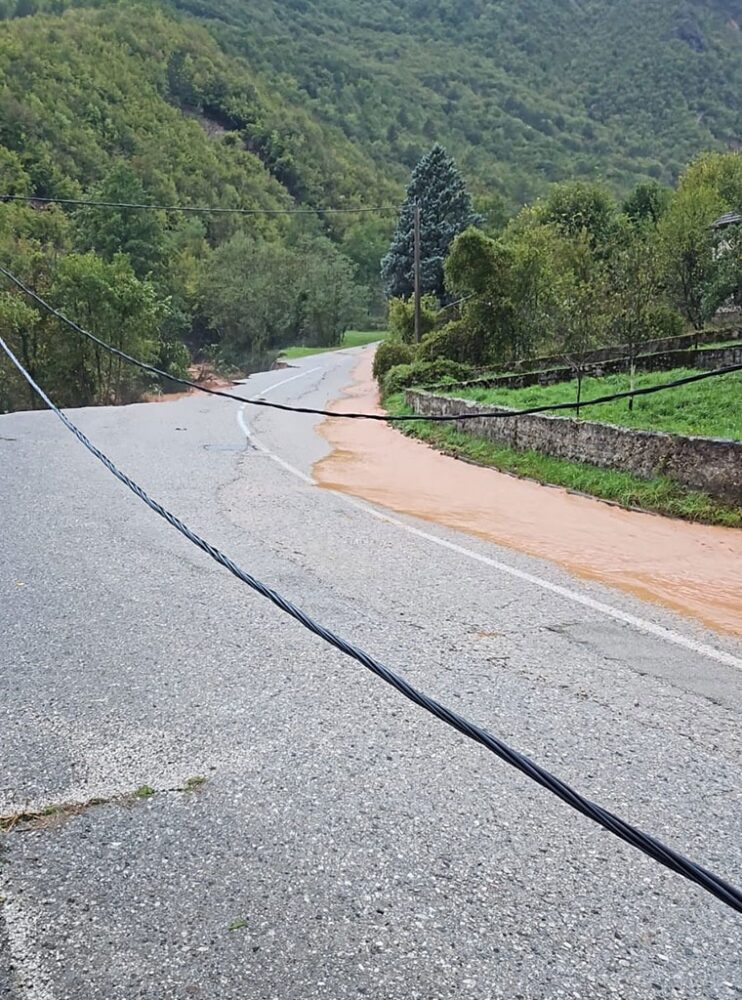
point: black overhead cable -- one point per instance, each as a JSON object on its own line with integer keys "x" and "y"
{"x": 656, "y": 850}
{"x": 384, "y": 417}
{"x": 197, "y": 209}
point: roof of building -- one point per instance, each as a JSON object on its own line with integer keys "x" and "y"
{"x": 730, "y": 219}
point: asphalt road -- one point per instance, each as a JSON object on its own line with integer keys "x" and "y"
{"x": 343, "y": 844}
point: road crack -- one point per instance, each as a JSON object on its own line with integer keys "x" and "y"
{"x": 55, "y": 813}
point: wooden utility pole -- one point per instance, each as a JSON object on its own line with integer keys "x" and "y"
{"x": 417, "y": 274}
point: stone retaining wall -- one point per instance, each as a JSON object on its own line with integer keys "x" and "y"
{"x": 705, "y": 359}
{"x": 718, "y": 357}
{"x": 709, "y": 464}
{"x": 682, "y": 343}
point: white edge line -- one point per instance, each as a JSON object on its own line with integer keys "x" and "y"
{"x": 649, "y": 628}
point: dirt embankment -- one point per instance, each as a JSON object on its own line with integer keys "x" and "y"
{"x": 202, "y": 375}
{"x": 691, "y": 568}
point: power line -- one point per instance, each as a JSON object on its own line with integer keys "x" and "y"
{"x": 383, "y": 417}
{"x": 458, "y": 302}
{"x": 203, "y": 210}
{"x": 656, "y": 850}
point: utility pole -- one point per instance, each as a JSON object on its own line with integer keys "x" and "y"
{"x": 417, "y": 274}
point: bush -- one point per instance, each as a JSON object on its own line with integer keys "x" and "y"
{"x": 422, "y": 373}
{"x": 455, "y": 342}
{"x": 665, "y": 322}
{"x": 402, "y": 317}
{"x": 174, "y": 358}
{"x": 389, "y": 354}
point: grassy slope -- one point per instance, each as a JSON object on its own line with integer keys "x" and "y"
{"x": 660, "y": 494}
{"x": 352, "y": 338}
{"x": 710, "y": 409}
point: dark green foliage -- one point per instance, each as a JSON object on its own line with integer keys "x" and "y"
{"x": 401, "y": 317}
{"x": 493, "y": 211}
{"x": 174, "y": 359}
{"x": 445, "y": 211}
{"x": 365, "y": 241}
{"x": 332, "y": 301}
{"x": 146, "y": 102}
{"x": 109, "y": 231}
{"x": 389, "y": 354}
{"x": 106, "y": 297}
{"x": 664, "y": 321}
{"x": 725, "y": 286}
{"x": 511, "y": 288}
{"x": 647, "y": 203}
{"x": 457, "y": 342}
{"x": 123, "y": 310}
{"x": 259, "y": 296}
{"x": 699, "y": 262}
{"x": 522, "y": 94}
{"x": 572, "y": 273}
{"x": 424, "y": 373}
{"x": 576, "y": 206}
{"x": 131, "y": 104}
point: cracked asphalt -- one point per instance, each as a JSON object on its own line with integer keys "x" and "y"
{"x": 343, "y": 844}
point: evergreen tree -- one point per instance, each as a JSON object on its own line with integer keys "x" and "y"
{"x": 445, "y": 211}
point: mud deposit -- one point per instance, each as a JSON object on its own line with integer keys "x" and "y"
{"x": 693, "y": 569}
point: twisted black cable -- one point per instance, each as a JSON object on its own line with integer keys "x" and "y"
{"x": 385, "y": 417}
{"x": 200, "y": 209}
{"x": 644, "y": 842}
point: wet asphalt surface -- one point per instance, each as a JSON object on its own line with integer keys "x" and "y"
{"x": 342, "y": 844}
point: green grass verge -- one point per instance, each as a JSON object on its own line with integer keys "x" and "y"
{"x": 720, "y": 343}
{"x": 712, "y": 408}
{"x": 661, "y": 495}
{"x": 352, "y": 338}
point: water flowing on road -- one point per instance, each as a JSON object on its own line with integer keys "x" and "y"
{"x": 693, "y": 569}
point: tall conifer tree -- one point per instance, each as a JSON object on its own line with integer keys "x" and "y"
{"x": 445, "y": 211}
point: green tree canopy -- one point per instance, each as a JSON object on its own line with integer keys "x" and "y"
{"x": 259, "y": 296}
{"x": 108, "y": 299}
{"x": 647, "y": 203}
{"x": 577, "y": 206}
{"x": 137, "y": 233}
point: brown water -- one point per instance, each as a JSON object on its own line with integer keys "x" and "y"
{"x": 693, "y": 569}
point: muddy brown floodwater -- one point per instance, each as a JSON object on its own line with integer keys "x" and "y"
{"x": 694, "y": 569}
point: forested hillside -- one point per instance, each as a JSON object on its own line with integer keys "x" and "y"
{"x": 521, "y": 93}
{"x": 129, "y": 81}
{"x": 266, "y": 106}
{"x": 133, "y": 103}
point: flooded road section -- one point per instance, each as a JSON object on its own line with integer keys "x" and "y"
{"x": 693, "y": 569}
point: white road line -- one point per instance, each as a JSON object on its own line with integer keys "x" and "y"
{"x": 649, "y": 628}
{"x": 292, "y": 378}
{"x": 261, "y": 447}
